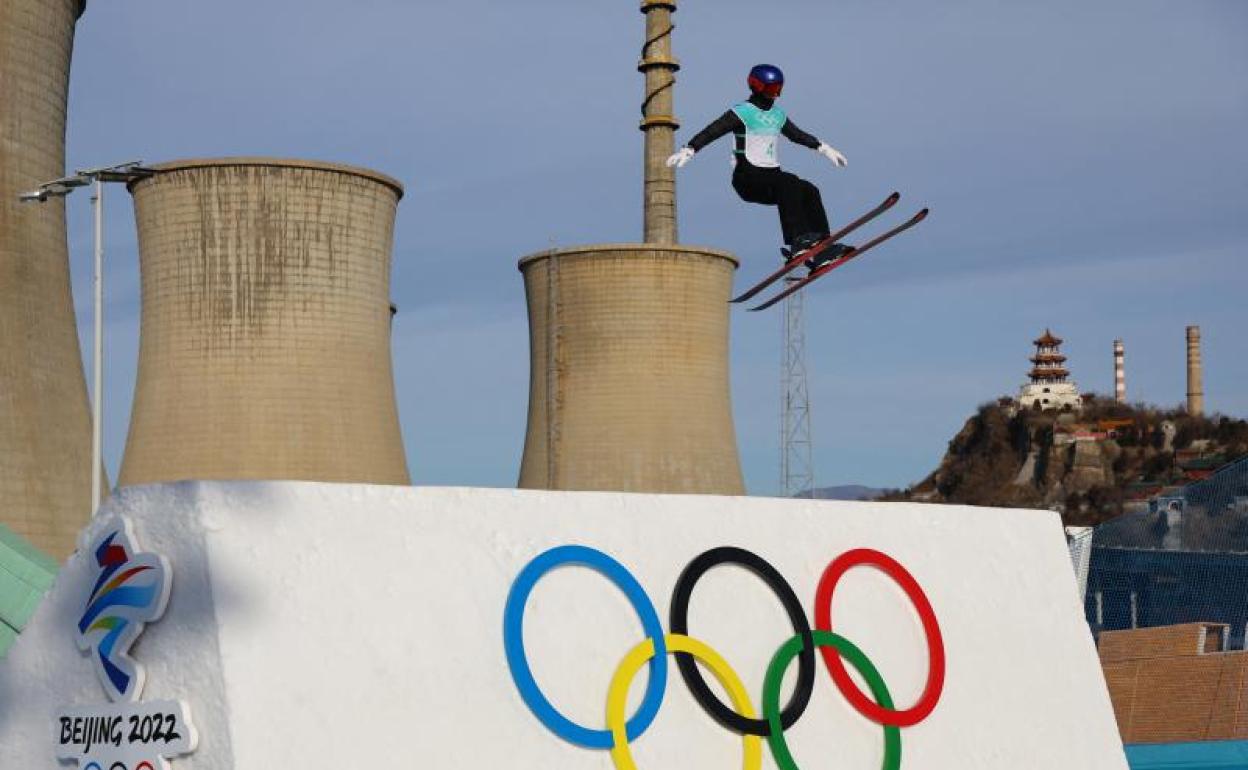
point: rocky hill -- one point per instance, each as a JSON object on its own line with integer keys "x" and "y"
{"x": 1087, "y": 465}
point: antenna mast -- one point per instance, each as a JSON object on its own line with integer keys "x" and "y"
{"x": 797, "y": 470}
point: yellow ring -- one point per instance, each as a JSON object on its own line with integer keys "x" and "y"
{"x": 617, "y": 695}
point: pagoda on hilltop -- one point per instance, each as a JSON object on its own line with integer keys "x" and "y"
{"x": 1050, "y": 386}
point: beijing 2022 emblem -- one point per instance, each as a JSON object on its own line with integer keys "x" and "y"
{"x": 127, "y": 589}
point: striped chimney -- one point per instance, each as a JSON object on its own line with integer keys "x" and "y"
{"x": 1120, "y": 374}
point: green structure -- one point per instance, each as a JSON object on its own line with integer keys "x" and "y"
{"x": 26, "y": 574}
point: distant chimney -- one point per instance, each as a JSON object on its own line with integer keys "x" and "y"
{"x": 1195, "y": 375}
{"x": 1120, "y": 374}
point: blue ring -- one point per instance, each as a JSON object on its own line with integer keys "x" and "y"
{"x": 513, "y": 644}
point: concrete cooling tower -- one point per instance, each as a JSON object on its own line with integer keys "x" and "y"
{"x": 629, "y": 381}
{"x": 265, "y": 342}
{"x": 628, "y": 344}
{"x": 45, "y": 424}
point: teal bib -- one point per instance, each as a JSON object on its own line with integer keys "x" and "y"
{"x": 762, "y": 133}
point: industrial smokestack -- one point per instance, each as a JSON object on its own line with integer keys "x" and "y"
{"x": 45, "y": 424}
{"x": 265, "y": 342}
{"x": 1120, "y": 374}
{"x": 629, "y": 381}
{"x": 1195, "y": 375}
{"x": 659, "y": 122}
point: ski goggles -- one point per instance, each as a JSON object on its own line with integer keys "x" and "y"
{"x": 770, "y": 90}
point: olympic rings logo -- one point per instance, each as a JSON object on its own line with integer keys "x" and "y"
{"x": 741, "y": 717}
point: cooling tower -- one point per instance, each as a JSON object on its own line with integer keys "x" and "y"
{"x": 628, "y": 343}
{"x": 629, "y": 382}
{"x": 265, "y": 341}
{"x": 45, "y": 424}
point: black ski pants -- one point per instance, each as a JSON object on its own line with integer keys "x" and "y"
{"x": 801, "y": 206}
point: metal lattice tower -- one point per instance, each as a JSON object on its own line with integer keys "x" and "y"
{"x": 797, "y": 470}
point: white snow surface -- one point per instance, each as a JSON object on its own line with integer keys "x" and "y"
{"x": 330, "y": 625}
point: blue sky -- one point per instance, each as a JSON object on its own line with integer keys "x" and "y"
{"x": 1084, "y": 162}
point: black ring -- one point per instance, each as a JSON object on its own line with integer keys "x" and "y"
{"x": 679, "y": 624}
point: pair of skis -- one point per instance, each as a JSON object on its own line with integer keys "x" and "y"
{"x": 814, "y": 252}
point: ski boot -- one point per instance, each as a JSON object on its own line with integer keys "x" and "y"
{"x": 803, "y": 243}
{"x": 827, "y": 255}
{"x": 808, "y": 241}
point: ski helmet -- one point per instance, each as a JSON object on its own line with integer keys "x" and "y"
{"x": 766, "y": 79}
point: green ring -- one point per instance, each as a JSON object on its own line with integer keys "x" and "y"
{"x": 858, "y": 659}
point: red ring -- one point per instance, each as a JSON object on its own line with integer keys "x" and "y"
{"x": 935, "y": 643}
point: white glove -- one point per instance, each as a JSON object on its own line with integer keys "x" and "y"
{"x": 830, "y": 153}
{"x": 680, "y": 157}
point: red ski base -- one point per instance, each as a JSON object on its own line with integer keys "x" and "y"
{"x": 793, "y": 262}
{"x": 856, "y": 251}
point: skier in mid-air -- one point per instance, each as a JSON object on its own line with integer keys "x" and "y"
{"x": 757, "y": 124}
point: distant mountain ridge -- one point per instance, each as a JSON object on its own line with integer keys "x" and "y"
{"x": 843, "y": 492}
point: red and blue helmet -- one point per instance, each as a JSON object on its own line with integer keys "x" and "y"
{"x": 766, "y": 79}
